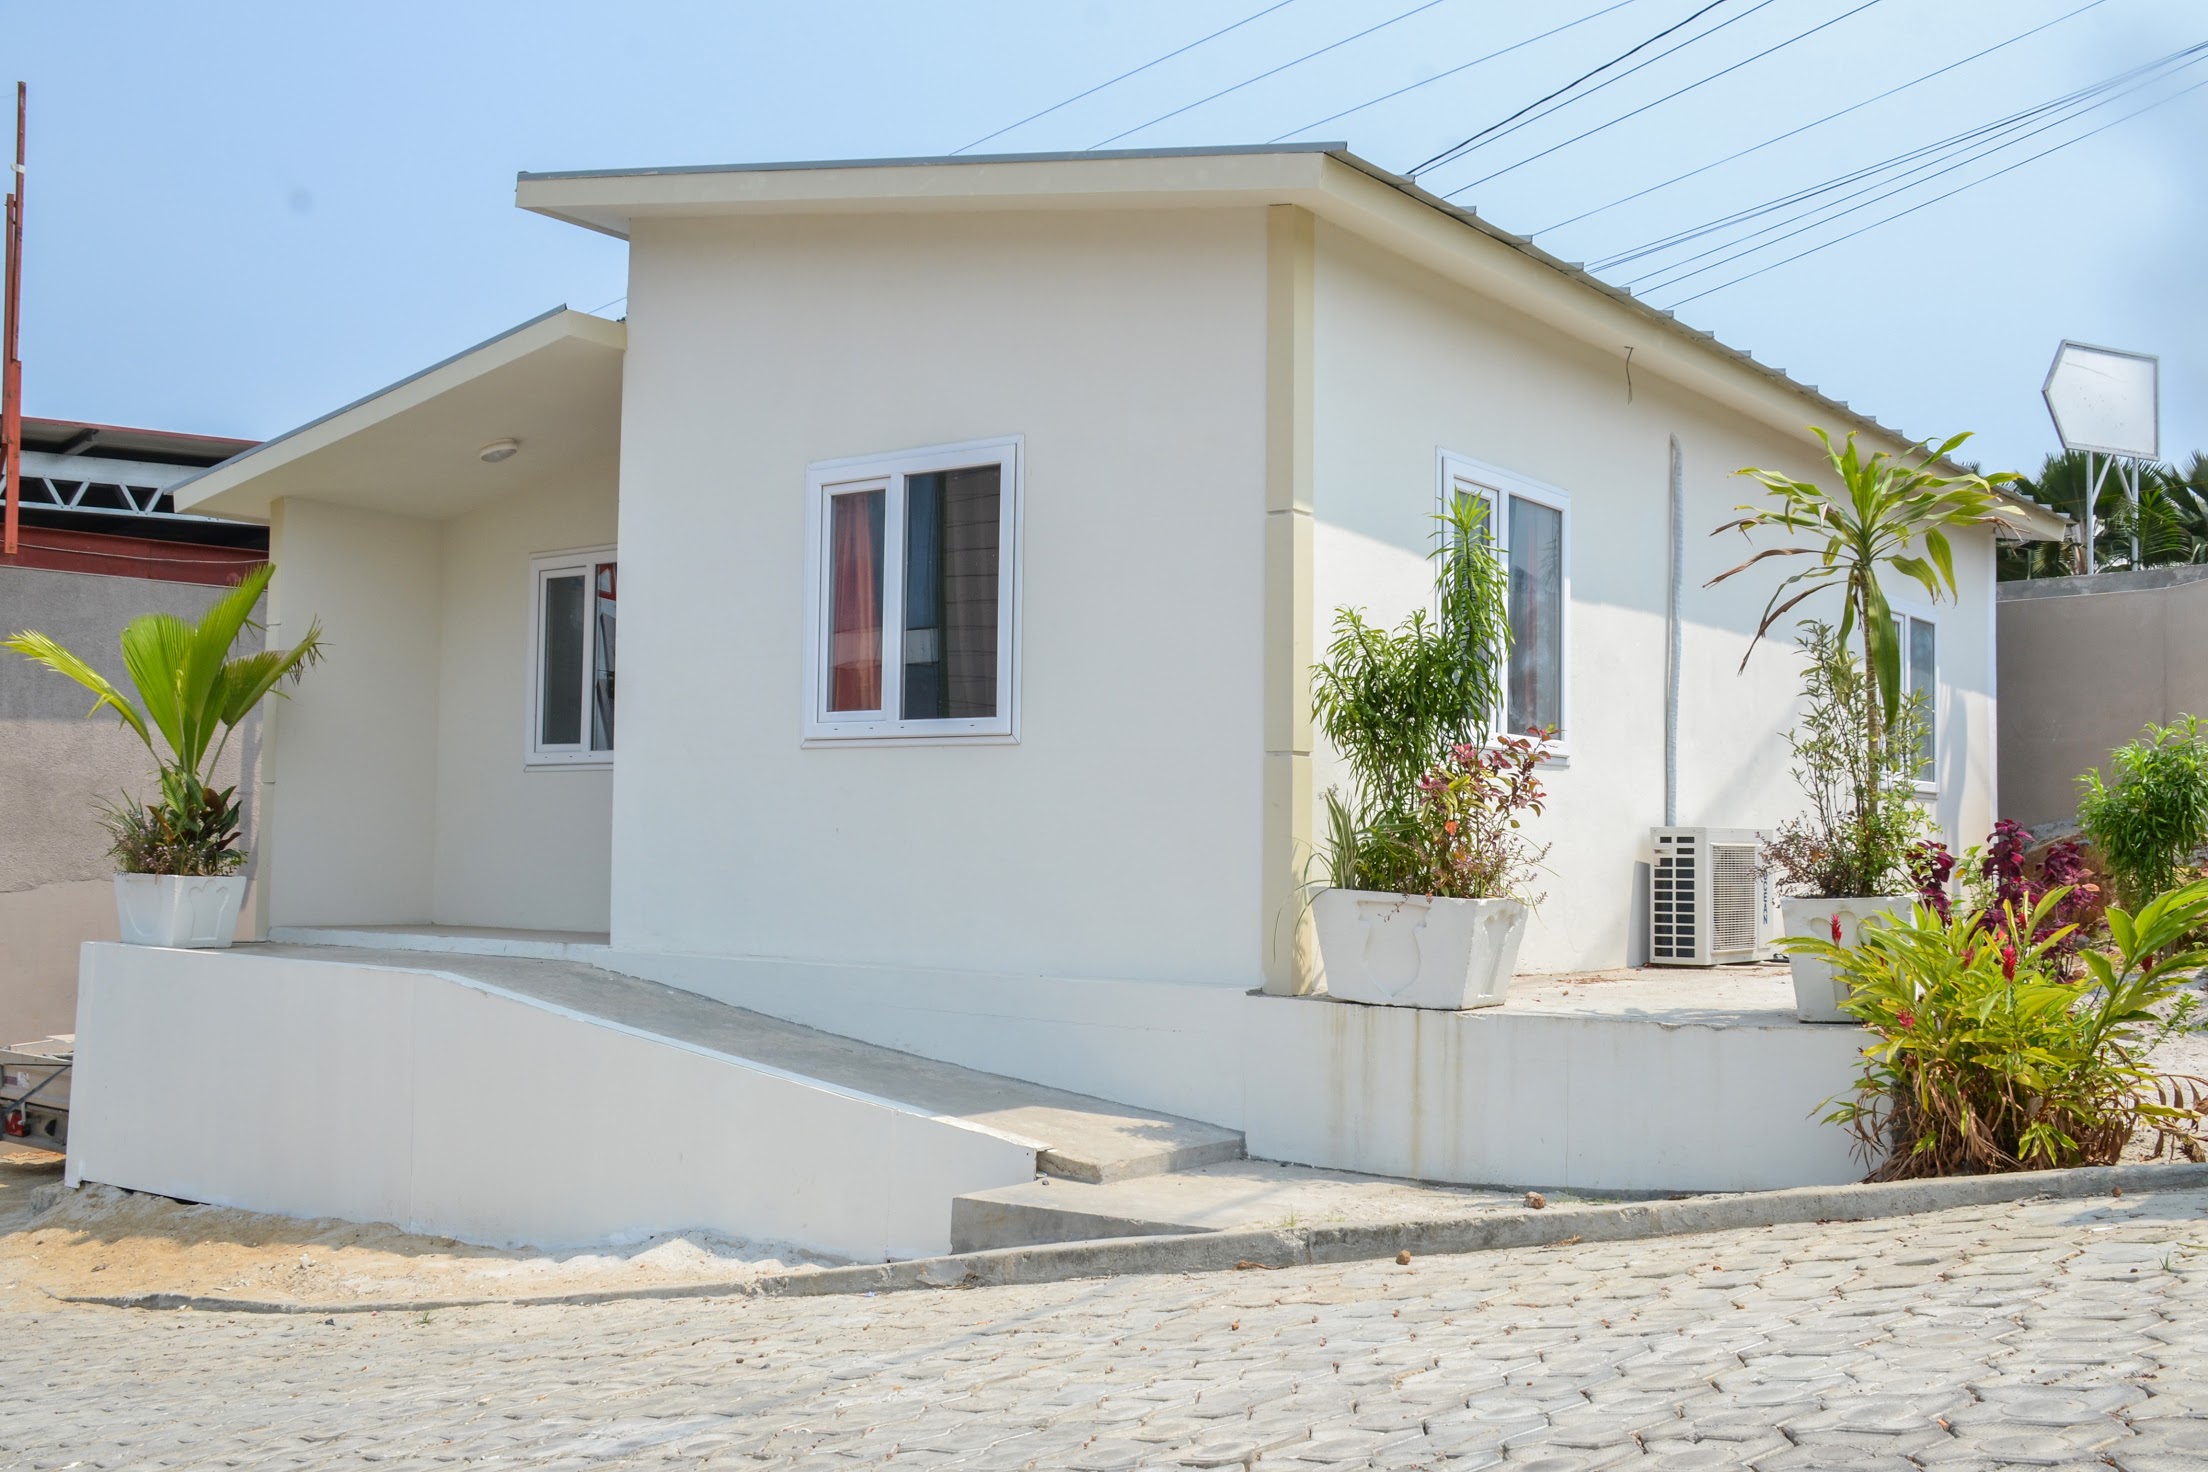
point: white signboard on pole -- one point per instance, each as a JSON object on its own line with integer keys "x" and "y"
{"x": 2105, "y": 402}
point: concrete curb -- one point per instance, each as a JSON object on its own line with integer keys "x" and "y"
{"x": 1211, "y": 1252}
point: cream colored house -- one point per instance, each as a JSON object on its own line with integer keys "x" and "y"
{"x": 902, "y": 624}
{"x": 1181, "y": 406}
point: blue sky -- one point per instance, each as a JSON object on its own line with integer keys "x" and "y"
{"x": 242, "y": 215}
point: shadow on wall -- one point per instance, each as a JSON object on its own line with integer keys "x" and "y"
{"x": 56, "y": 768}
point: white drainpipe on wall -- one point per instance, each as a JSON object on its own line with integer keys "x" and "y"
{"x": 1672, "y": 634}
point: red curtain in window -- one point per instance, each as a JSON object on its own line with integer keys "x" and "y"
{"x": 855, "y": 659}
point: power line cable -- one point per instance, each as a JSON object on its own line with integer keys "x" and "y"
{"x": 1668, "y": 96}
{"x": 1273, "y": 72}
{"x": 1820, "y": 122}
{"x": 1887, "y": 188}
{"x": 1927, "y": 204}
{"x": 1611, "y": 81}
{"x": 1831, "y": 210}
{"x": 1123, "y": 76}
{"x": 1944, "y": 148}
{"x": 1462, "y": 67}
{"x": 1458, "y": 149}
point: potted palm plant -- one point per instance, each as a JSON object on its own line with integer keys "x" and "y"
{"x": 178, "y": 878}
{"x": 1427, "y": 862}
{"x": 1858, "y": 739}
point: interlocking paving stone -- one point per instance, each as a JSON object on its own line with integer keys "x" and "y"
{"x": 1989, "y": 1338}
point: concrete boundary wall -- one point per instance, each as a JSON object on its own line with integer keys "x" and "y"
{"x": 1500, "y": 1097}
{"x": 2086, "y": 662}
{"x": 447, "y": 1106}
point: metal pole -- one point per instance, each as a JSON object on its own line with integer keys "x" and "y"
{"x": 11, "y": 365}
{"x": 2133, "y": 467}
{"x": 2092, "y": 488}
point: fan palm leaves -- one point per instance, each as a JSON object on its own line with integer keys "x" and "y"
{"x": 192, "y": 692}
{"x": 1884, "y": 512}
{"x": 2171, "y": 520}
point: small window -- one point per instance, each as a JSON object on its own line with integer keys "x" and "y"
{"x": 1530, "y": 527}
{"x": 571, "y": 696}
{"x": 1920, "y": 681}
{"x": 911, "y": 595}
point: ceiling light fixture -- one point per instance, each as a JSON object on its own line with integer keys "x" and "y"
{"x": 497, "y": 450}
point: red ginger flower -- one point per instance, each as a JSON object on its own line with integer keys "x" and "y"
{"x": 2008, "y": 962}
{"x": 1907, "y": 1019}
{"x": 1836, "y": 928}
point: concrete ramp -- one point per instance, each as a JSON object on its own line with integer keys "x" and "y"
{"x": 448, "y": 1106}
{"x": 521, "y": 1100}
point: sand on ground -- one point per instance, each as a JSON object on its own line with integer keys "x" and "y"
{"x": 97, "y": 1240}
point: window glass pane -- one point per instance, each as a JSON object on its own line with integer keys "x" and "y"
{"x": 1924, "y": 686}
{"x": 855, "y": 601}
{"x": 601, "y": 657}
{"x": 560, "y": 677}
{"x": 1535, "y": 685}
{"x": 950, "y": 630}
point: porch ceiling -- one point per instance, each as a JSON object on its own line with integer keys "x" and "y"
{"x": 553, "y": 384}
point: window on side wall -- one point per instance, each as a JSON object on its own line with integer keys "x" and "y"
{"x": 911, "y": 595}
{"x": 571, "y": 658}
{"x": 1530, "y": 526}
{"x": 1920, "y": 681}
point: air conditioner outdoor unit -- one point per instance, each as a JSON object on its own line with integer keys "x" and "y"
{"x": 1709, "y": 902}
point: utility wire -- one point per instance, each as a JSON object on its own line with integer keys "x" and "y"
{"x": 1668, "y": 96}
{"x": 1927, "y": 204}
{"x": 1462, "y": 67}
{"x": 1612, "y": 81}
{"x": 1883, "y": 189}
{"x": 1820, "y": 122}
{"x": 1274, "y": 72}
{"x": 1123, "y": 76}
{"x": 1945, "y": 147}
{"x": 1457, "y": 149}
{"x": 1888, "y": 188}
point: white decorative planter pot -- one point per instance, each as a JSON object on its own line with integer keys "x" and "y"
{"x": 1818, "y": 991}
{"x": 192, "y": 913}
{"x": 1402, "y": 950}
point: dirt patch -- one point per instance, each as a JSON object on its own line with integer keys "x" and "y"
{"x": 98, "y": 1240}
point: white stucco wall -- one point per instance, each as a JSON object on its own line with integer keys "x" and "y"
{"x": 515, "y": 846}
{"x": 1120, "y": 836}
{"x": 350, "y": 771}
{"x": 1409, "y": 365}
{"x": 399, "y": 789}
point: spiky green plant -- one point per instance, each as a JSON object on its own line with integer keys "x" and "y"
{"x": 192, "y": 694}
{"x": 1884, "y": 513}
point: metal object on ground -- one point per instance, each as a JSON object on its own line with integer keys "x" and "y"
{"x": 34, "y": 1093}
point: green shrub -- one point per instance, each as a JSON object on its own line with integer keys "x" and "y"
{"x": 1985, "y": 1060}
{"x": 1396, "y": 704}
{"x": 2147, "y": 826}
{"x": 1864, "y": 821}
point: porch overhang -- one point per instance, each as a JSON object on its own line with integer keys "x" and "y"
{"x": 552, "y": 385}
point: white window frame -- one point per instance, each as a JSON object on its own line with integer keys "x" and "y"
{"x": 1904, "y": 610}
{"x": 824, "y": 478}
{"x": 544, "y": 565}
{"x": 1496, "y": 484}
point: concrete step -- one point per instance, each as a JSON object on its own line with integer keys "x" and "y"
{"x": 1218, "y": 1198}
{"x": 1075, "y": 1137}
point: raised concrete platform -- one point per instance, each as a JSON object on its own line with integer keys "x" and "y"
{"x": 459, "y": 940}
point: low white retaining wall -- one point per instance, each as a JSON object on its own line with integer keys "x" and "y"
{"x": 447, "y": 1106}
{"x": 1497, "y": 1097}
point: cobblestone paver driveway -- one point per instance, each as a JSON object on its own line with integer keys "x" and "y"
{"x": 2067, "y": 1334}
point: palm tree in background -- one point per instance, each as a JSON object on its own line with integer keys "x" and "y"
{"x": 2172, "y": 519}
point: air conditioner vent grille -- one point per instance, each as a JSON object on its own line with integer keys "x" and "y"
{"x": 1734, "y": 876}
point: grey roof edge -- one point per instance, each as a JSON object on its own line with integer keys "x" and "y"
{"x": 1339, "y": 151}
{"x": 1067, "y": 156}
{"x": 368, "y": 398}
